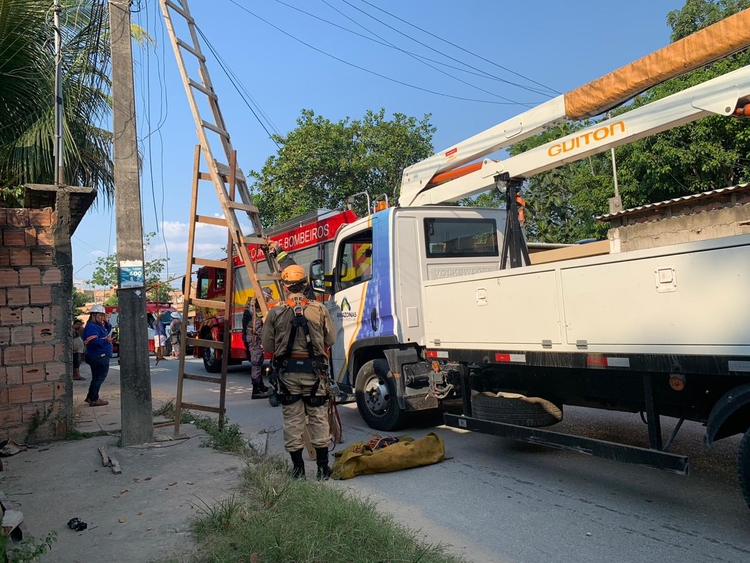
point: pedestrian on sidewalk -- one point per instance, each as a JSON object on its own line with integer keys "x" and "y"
{"x": 160, "y": 338}
{"x": 78, "y": 349}
{"x": 97, "y": 337}
{"x": 252, "y": 324}
{"x": 174, "y": 333}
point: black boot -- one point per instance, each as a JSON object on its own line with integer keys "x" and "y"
{"x": 298, "y": 465}
{"x": 260, "y": 391}
{"x": 321, "y": 458}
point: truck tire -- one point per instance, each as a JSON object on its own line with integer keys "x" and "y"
{"x": 512, "y": 408}
{"x": 211, "y": 363}
{"x": 743, "y": 465}
{"x": 376, "y": 397}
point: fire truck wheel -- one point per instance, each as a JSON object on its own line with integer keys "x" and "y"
{"x": 210, "y": 361}
{"x": 512, "y": 408}
{"x": 743, "y": 465}
{"x": 376, "y": 397}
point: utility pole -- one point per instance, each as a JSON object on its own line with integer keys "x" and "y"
{"x": 59, "y": 132}
{"x": 135, "y": 374}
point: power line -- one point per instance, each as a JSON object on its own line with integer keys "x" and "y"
{"x": 422, "y": 61}
{"x": 221, "y": 64}
{"x": 454, "y": 45}
{"x": 396, "y": 81}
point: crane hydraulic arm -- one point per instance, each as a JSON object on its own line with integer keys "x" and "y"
{"x": 594, "y": 98}
{"x": 726, "y": 95}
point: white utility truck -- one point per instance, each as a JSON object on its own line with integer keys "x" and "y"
{"x": 436, "y": 302}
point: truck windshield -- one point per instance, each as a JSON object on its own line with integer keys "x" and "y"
{"x": 460, "y": 238}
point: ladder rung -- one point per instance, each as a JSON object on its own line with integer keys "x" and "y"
{"x": 243, "y": 206}
{"x": 206, "y": 378}
{"x": 207, "y": 303}
{"x": 254, "y": 240}
{"x": 215, "y": 129}
{"x": 222, "y": 264}
{"x": 194, "y": 407}
{"x": 192, "y": 49}
{"x": 224, "y": 170}
{"x": 268, "y": 277}
{"x": 180, "y": 11}
{"x": 211, "y": 220}
{"x": 203, "y": 89}
{"x": 205, "y": 343}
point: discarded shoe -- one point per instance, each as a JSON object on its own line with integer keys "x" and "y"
{"x": 98, "y": 403}
{"x": 77, "y": 524}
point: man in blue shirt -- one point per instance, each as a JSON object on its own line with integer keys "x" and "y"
{"x": 98, "y": 340}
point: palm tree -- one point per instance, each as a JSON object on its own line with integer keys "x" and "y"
{"x": 27, "y": 112}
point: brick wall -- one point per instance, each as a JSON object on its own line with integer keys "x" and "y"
{"x": 35, "y": 369}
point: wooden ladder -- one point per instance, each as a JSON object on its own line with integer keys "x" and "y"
{"x": 227, "y": 178}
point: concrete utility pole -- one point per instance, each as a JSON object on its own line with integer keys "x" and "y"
{"x": 135, "y": 374}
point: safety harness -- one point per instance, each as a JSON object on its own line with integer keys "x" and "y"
{"x": 289, "y": 363}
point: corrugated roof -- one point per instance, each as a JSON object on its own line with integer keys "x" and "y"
{"x": 675, "y": 201}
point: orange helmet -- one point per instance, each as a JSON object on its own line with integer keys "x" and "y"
{"x": 293, "y": 274}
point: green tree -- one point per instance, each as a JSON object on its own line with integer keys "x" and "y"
{"x": 708, "y": 154}
{"x": 27, "y": 112}
{"x": 79, "y": 300}
{"x": 105, "y": 274}
{"x": 321, "y": 163}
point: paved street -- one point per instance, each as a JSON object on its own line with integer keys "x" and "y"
{"x": 496, "y": 500}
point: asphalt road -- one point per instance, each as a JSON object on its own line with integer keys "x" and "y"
{"x": 496, "y": 500}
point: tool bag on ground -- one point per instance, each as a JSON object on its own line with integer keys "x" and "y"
{"x": 362, "y": 458}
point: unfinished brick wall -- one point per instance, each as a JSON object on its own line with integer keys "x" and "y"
{"x": 35, "y": 369}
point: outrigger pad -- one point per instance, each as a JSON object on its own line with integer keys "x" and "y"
{"x": 361, "y": 459}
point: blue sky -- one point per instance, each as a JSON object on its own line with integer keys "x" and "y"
{"x": 561, "y": 45}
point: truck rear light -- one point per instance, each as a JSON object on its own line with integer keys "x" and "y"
{"x": 511, "y": 358}
{"x": 434, "y": 354}
{"x": 677, "y": 381}
{"x": 607, "y": 362}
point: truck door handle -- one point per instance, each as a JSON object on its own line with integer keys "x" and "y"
{"x": 374, "y": 319}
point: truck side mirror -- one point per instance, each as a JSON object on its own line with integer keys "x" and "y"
{"x": 317, "y": 276}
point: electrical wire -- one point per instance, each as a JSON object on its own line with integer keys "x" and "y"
{"x": 363, "y": 69}
{"x": 229, "y": 73}
{"x": 424, "y": 62}
{"x": 456, "y": 46}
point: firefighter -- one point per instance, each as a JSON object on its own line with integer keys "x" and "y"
{"x": 252, "y": 323}
{"x": 284, "y": 260}
{"x": 299, "y": 331}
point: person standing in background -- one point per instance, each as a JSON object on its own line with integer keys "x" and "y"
{"x": 97, "y": 337}
{"x": 78, "y": 349}
{"x": 174, "y": 333}
{"x": 160, "y": 339}
{"x": 252, "y": 324}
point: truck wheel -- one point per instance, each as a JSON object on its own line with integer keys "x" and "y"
{"x": 512, "y": 408}
{"x": 376, "y": 397}
{"x": 211, "y": 362}
{"x": 743, "y": 466}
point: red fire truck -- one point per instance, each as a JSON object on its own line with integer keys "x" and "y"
{"x": 305, "y": 238}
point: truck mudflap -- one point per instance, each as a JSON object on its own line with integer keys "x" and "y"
{"x": 720, "y": 422}
{"x": 670, "y": 463}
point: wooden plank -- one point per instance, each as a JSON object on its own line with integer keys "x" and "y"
{"x": 194, "y": 407}
{"x": 207, "y": 303}
{"x": 205, "y": 343}
{"x": 226, "y": 171}
{"x": 221, "y": 264}
{"x": 215, "y": 128}
{"x": 203, "y": 89}
{"x": 116, "y": 469}
{"x": 180, "y": 11}
{"x": 268, "y": 277}
{"x": 104, "y": 456}
{"x": 218, "y": 221}
{"x": 254, "y": 240}
{"x": 249, "y": 208}
{"x": 571, "y": 252}
{"x": 206, "y": 378}
{"x": 192, "y": 50}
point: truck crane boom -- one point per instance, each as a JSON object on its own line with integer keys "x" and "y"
{"x": 725, "y": 95}
{"x": 698, "y": 49}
